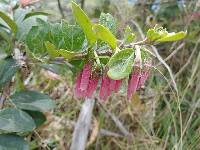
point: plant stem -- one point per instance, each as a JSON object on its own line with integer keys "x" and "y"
{"x": 60, "y": 9}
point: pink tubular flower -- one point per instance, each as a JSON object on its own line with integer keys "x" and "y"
{"x": 92, "y": 86}
{"x": 86, "y": 83}
{"x": 145, "y": 72}
{"x": 105, "y": 91}
{"x": 107, "y": 86}
{"x": 136, "y": 74}
{"x": 133, "y": 82}
{"x": 115, "y": 85}
{"x": 77, "y": 91}
{"x": 87, "y": 69}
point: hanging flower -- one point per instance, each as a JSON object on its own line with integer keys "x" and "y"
{"x": 136, "y": 74}
{"x": 105, "y": 90}
{"x": 140, "y": 73}
{"x": 145, "y": 72}
{"x": 86, "y": 82}
{"x": 133, "y": 82}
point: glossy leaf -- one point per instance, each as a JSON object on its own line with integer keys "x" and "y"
{"x": 173, "y": 37}
{"x": 8, "y": 68}
{"x": 15, "y": 120}
{"x": 31, "y": 14}
{"x": 9, "y": 22}
{"x": 32, "y": 100}
{"x": 84, "y": 22}
{"x": 120, "y": 64}
{"x": 13, "y": 142}
{"x": 105, "y": 35}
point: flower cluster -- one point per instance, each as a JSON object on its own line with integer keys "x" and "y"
{"x": 87, "y": 80}
{"x": 138, "y": 78}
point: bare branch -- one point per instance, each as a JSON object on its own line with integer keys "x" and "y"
{"x": 82, "y": 126}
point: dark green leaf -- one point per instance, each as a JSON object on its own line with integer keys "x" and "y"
{"x": 85, "y": 23}
{"x": 31, "y": 14}
{"x": 32, "y": 100}
{"x": 105, "y": 35}
{"x": 120, "y": 64}
{"x": 12, "y": 142}
{"x": 36, "y": 37}
{"x": 15, "y": 120}
{"x": 8, "y": 67}
{"x": 6, "y": 44}
{"x": 38, "y": 117}
{"x": 9, "y": 22}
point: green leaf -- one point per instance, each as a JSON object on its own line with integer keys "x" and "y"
{"x": 153, "y": 35}
{"x": 6, "y": 44}
{"x": 31, "y": 14}
{"x": 159, "y": 34}
{"x": 105, "y": 35}
{"x": 173, "y": 37}
{"x": 8, "y": 68}
{"x": 107, "y": 20}
{"x": 65, "y": 36}
{"x": 129, "y": 36}
{"x": 67, "y": 54}
{"x": 15, "y": 120}
{"x": 35, "y": 39}
{"x": 51, "y": 49}
{"x": 24, "y": 26}
{"x": 32, "y": 100}
{"x": 38, "y": 117}
{"x": 13, "y": 142}
{"x": 9, "y": 22}
{"x": 60, "y": 35}
{"x": 85, "y": 23}
{"x": 53, "y": 52}
{"x": 120, "y": 64}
